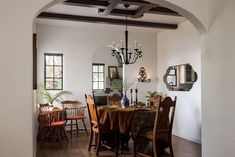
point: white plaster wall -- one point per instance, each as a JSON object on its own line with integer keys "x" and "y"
{"x": 180, "y": 47}
{"x": 218, "y": 108}
{"x": 79, "y": 45}
{"x": 16, "y": 114}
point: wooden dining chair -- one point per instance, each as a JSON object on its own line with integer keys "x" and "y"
{"x": 162, "y": 130}
{"x": 73, "y": 113}
{"x": 52, "y": 121}
{"x": 115, "y": 100}
{"x": 154, "y": 101}
{"x": 96, "y": 128}
{"x": 43, "y": 107}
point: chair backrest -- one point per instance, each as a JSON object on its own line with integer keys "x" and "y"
{"x": 166, "y": 112}
{"x": 44, "y": 107}
{"x": 44, "y": 119}
{"x": 155, "y": 100}
{"x": 70, "y": 104}
{"x": 115, "y": 99}
{"x": 72, "y": 108}
{"x": 92, "y": 110}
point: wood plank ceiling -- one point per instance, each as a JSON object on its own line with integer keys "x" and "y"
{"x": 106, "y": 8}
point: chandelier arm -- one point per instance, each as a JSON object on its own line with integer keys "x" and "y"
{"x": 122, "y": 57}
{"x": 134, "y": 57}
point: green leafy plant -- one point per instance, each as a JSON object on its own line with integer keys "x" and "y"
{"x": 119, "y": 86}
{"x": 58, "y": 97}
{"x": 152, "y": 94}
{"x": 141, "y": 103}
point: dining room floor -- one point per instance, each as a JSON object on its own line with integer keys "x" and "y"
{"x": 77, "y": 147}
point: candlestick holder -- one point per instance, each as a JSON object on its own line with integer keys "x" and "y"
{"x": 136, "y": 96}
{"x": 131, "y": 90}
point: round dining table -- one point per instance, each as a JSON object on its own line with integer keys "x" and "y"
{"x": 119, "y": 119}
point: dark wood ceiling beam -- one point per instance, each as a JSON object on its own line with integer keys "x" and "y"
{"x": 163, "y": 11}
{"x": 87, "y": 3}
{"x": 142, "y": 9}
{"x": 132, "y": 13}
{"x": 104, "y": 4}
{"x": 119, "y": 12}
{"x": 111, "y": 6}
{"x": 106, "y": 21}
{"x": 135, "y": 2}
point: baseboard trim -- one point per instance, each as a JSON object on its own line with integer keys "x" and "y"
{"x": 187, "y": 137}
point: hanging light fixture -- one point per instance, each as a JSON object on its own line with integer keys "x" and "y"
{"x": 123, "y": 54}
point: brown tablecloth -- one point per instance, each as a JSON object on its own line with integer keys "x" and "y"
{"x": 117, "y": 118}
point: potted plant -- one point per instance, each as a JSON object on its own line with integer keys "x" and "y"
{"x": 51, "y": 96}
{"x": 152, "y": 95}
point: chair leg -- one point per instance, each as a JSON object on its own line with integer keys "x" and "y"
{"x": 155, "y": 148}
{"x": 84, "y": 126}
{"x": 90, "y": 143}
{"x": 171, "y": 147}
{"x": 96, "y": 137}
{"x": 63, "y": 129}
{"x": 98, "y": 145}
{"x": 77, "y": 126}
{"x": 71, "y": 128}
{"x": 134, "y": 145}
{"x": 58, "y": 135}
{"x": 42, "y": 137}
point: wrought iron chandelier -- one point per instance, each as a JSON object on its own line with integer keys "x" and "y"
{"x": 123, "y": 54}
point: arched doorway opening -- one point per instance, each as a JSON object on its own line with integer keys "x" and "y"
{"x": 197, "y": 23}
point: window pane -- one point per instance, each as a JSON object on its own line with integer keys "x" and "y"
{"x": 95, "y": 68}
{"x": 49, "y": 71}
{"x": 101, "y": 68}
{"x": 101, "y": 77}
{"x": 49, "y": 60}
{"x": 101, "y": 85}
{"x": 95, "y": 77}
{"x": 49, "y": 83}
{"x": 95, "y": 85}
{"x": 53, "y": 71}
{"x": 58, "y": 71}
{"x": 58, "y": 84}
{"x": 57, "y": 60}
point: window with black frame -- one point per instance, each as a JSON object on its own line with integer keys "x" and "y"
{"x": 53, "y": 71}
{"x": 98, "y": 74}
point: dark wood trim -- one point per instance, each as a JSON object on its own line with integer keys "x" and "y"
{"x": 111, "y": 6}
{"x": 135, "y": 2}
{"x": 106, "y": 20}
{"x": 149, "y": 9}
{"x": 163, "y": 11}
{"x": 119, "y": 12}
{"x": 95, "y": 3}
{"x": 105, "y": 5}
{"x": 34, "y": 61}
{"x": 141, "y": 10}
{"x": 87, "y": 3}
